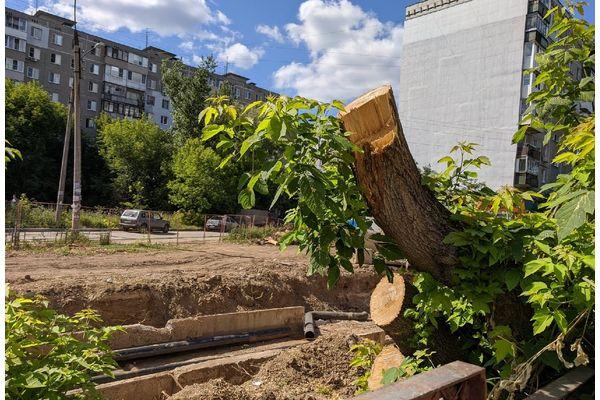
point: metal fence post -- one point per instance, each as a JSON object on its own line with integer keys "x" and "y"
{"x": 204, "y": 230}
{"x": 16, "y": 232}
{"x": 177, "y": 238}
{"x": 148, "y": 226}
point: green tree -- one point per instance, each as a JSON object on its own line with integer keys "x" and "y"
{"x": 512, "y": 264}
{"x": 198, "y": 185}
{"x": 138, "y": 153}
{"x": 35, "y": 125}
{"x": 188, "y": 90}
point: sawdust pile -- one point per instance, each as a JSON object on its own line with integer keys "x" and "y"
{"x": 314, "y": 371}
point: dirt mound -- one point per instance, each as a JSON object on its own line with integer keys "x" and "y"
{"x": 315, "y": 371}
{"x": 151, "y": 288}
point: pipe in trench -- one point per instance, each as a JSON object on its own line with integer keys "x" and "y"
{"x": 184, "y": 346}
{"x": 310, "y": 317}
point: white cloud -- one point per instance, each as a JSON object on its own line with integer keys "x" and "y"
{"x": 351, "y": 51}
{"x": 187, "y": 46}
{"x": 166, "y": 18}
{"x": 240, "y": 56}
{"x": 272, "y": 32}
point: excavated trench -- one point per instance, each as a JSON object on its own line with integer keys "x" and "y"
{"x": 154, "y": 303}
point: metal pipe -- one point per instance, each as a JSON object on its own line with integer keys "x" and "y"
{"x": 158, "y": 349}
{"x": 310, "y": 317}
{"x": 184, "y": 346}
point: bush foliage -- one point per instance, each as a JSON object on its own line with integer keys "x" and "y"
{"x": 49, "y": 354}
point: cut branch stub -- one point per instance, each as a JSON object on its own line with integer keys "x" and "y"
{"x": 407, "y": 211}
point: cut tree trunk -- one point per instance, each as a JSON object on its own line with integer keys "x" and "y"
{"x": 407, "y": 211}
{"x": 389, "y": 357}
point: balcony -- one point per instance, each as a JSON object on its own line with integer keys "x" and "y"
{"x": 536, "y": 22}
{"x": 525, "y": 149}
{"x": 122, "y": 99}
{"x": 525, "y": 180}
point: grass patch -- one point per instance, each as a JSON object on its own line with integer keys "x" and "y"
{"x": 244, "y": 234}
{"x": 86, "y": 247}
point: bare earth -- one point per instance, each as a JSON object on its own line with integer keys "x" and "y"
{"x": 153, "y": 286}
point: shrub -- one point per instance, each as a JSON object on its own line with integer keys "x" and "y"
{"x": 243, "y": 234}
{"x": 49, "y": 354}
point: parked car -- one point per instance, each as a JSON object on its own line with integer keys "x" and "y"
{"x": 215, "y": 223}
{"x": 138, "y": 220}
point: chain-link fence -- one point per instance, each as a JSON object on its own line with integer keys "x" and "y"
{"x": 37, "y": 222}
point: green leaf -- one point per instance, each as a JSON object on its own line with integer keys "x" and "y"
{"x": 390, "y": 375}
{"x": 210, "y": 131}
{"x": 333, "y": 275}
{"x": 512, "y": 278}
{"x": 541, "y": 320}
{"x": 573, "y": 214}
{"x": 533, "y": 266}
{"x": 338, "y": 104}
{"x": 246, "y": 144}
{"x": 246, "y": 198}
{"x": 561, "y": 320}
{"x": 225, "y": 161}
{"x": 503, "y": 348}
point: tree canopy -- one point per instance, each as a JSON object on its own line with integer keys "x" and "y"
{"x": 138, "y": 153}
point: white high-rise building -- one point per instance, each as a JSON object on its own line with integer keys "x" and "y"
{"x": 462, "y": 80}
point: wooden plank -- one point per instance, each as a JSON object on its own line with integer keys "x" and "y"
{"x": 564, "y": 386}
{"x": 467, "y": 380}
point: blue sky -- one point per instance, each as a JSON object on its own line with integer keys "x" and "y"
{"x": 318, "y": 48}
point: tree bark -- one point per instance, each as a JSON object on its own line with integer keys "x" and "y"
{"x": 407, "y": 211}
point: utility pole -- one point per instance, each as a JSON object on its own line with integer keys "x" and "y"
{"x": 77, "y": 133}
{"x": 65, "y": 157}
{"x": 146, "y": 37}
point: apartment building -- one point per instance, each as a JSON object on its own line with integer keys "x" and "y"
{"x": 462, "y": 80}
{"x": 117, "y": 79}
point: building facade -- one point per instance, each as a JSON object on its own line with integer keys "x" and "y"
{"x": 462, "y": 80}
{"x": 117, "y": 79}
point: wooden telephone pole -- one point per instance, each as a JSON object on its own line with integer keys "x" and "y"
{"x": 65, "y": 157}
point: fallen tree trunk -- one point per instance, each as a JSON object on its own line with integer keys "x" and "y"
{"x": 407, "y": 211}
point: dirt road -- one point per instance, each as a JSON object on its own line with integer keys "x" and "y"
{"x": 153, "y": 286}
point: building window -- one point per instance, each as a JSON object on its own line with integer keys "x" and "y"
{"x": 97, "y": 51}
{"x": 237, "y": 92}
{"x": 526, "y": 79}
{"x": 53, "y": 77}
{"x": 34, "y": 53}
{"x": 91, "y": 105}
{"x": 152, "y": 67}
{"x": 152, "y": 84}
{"x": 55, "y": 58}
{"x": 55, "y": 97}
{"x": 71, "y": 82}
{"x": 150, "y": 100}
{"x": 93, "y": 87}
{"x": 90, "y": 123}
{"x": 248, "y": 94}
{"x": 116, "y": 53}
{"x": 36, "y": 33}
{"x": 521, "y": 164}
{"x": 165, "y": 104}
{"x": 33, "y": 73}
{"x": 94, "y": 69}
{"x": 14, "y": 43}
{"x": 57, "y": 39}
{"x": 16, "y": 23}
{"x": 164, "y": 119}
{"x": 544, "y": 176}
{"x": 138, "y": 60}
{"x": 14, "y": 65}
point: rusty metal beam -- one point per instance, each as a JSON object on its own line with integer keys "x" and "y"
{"x": 564, "y": 386}
{"x": 457, "y": 380}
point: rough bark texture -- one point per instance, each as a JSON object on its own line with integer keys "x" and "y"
{"x": 389, "y": 178}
